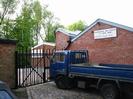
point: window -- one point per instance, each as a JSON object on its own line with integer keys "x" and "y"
{"x": 77, "y": 55}
{"x": 5, "y": 95}
{"x": 78, "y": 58}
{"x": 80, "y": 55}
{"x": 59, "y": 58}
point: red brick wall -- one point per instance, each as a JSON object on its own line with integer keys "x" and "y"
{"x": 61, "y": 41}
{"x": 7, "y": 63}
{"x": 118, "y": 50}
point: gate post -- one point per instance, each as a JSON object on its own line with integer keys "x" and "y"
{"x": 7, "y": 61}
{"x": 44, "y": 73}
{"x": 16, "y": 69}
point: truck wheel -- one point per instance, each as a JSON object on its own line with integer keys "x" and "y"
{"x": 69, "y": 82}
{"x": 60, "y": 82}
{"x": 109, "y": 91}
{"x": 64, "y": 82}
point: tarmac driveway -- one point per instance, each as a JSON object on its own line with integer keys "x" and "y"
{"x": 50, "y": 91}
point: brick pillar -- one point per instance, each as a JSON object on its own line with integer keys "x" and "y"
{"x": 7, "y": 62}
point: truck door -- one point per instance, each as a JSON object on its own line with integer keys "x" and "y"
{"x": 58, "y": 64}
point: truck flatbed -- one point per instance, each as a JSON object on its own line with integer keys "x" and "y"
{"x": 119, "y": 72}
{"x": 115, "y": 66}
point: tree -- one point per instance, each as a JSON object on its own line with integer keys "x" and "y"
{"x": 22, "y": 28}
{"x": 50, "y": 36}
{"x": 38, "y": 17}
{"x": 50, "y": 26}
{"x": 7, "y": 8}
{"x": 79, "y": 25}
{"x": 46, "y": 20}
{"x": 26, "y": 28}
{"x": 7, "y": 29}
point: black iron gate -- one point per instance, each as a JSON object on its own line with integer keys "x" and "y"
{"x": 32, "y": 66}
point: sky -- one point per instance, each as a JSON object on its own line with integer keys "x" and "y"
{"x": 70, "y": 11}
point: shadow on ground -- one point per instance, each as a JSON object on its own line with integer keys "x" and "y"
{"x": 21, "y": 93}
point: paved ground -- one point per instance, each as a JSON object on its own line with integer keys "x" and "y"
{"x": 21, "y": 93}
{"x": 50, "y": 91}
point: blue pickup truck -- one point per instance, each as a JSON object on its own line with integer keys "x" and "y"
{"x": 71, "y": 69}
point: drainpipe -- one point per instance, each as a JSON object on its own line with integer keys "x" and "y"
{"x": 69, "y": 43}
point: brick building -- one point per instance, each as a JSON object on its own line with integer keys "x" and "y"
{"x": 107, "y": 42}
{"x": 7, "y": 62}
{"x": 38, "y": 51}
{"x": 64, "y": 37}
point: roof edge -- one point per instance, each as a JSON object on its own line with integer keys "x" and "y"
{"x": 105, "y": 22}
{"x": 45, "y": 43}
{"x": 87, "y": 28}
{"x": 66, "y": 32}
{"x": 116, "y": 25}
{"x": 7, "y": 41}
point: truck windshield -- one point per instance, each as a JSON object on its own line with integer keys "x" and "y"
{"x": 58, "y": 57}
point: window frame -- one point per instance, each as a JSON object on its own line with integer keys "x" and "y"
{"x": 59, "y": 61}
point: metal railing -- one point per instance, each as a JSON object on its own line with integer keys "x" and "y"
{"x": 32, "y": 66}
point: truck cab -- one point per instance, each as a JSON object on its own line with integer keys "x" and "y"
{"x": 62, "y": 59}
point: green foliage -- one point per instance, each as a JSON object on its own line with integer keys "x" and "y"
{"x": 50, "y": 25}
{"x": 7, "y": 7}
{"x": 8, "y": 28}
{"x": 23, "y": 28}
{"x": 79, "y": 25}
{"x": 37, "y": 9}
{"x": 26, "y": 28}
{"x": 50, "y": 36}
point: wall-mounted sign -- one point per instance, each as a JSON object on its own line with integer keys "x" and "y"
{"x": 105, "y": 33}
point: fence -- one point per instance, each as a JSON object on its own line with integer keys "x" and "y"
{"x": 32, "y": 66}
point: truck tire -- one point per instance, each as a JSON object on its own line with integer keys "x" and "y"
{"x": 69, "y": 83}
{"x": 60, "y": 82}
{"x": 64, "y": 82}
{"x": 109, "y": 91}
